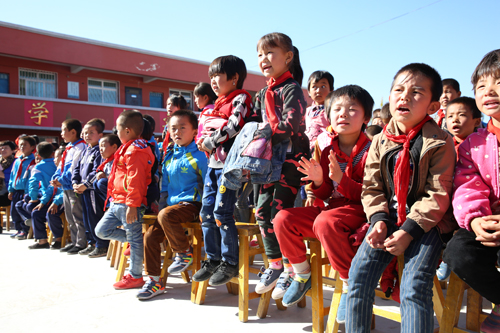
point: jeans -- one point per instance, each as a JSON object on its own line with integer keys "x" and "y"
{"x": 421, "y": 258}
{"x": 217, "y": 221}
{"x": 114, "y": 217}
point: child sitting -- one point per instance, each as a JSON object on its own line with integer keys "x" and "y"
{"x": 338, "y": 180}
{"x": 451, "y": 90}
{"x": 474, "y": 251}
{"x": 406, "y": 193}
{"x": 127, "y": 188}
{"x": 183, "y": 175}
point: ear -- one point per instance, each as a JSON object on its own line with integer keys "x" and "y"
{"x": 235, "y": 78}
{"x": 433, "y": 107}
{"x": 289, "y": 57}
{"x": 477, "y": 122}
{"x": 459, "y": 94}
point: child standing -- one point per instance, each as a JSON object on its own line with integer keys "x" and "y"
{"x": 337, "y": 179}
{"x": 127, "y": 189}
{"x": 204, "y": 98}
{"x": 183, "y": 175}
{"x": 231, "y": 109}
{"x": 83, "y": 173}
{"x": 282, "y": 106}
{"x": 406, "y": 211}
{"x": 474, "y": 250}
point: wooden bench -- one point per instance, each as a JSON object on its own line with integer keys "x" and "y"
{"x": 5, "y": 210}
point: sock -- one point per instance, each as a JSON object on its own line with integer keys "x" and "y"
{"x": 345, "y": 286}
{"x": 156, "y": 278}
{"x": 302, "y": 271}
{"x": 276, "y": 264}
{"x": 289, "y": 269}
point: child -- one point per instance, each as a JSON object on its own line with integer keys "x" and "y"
{"x": 282, "y": 106}
{"x": 18, "y": 183}
{"x": 127, "y": 188}
{"x": 71, "y": 130}
{"x": 108, "y": 145}
{"x": 385, "y": 114}
{"x": 373, "y": 130}
{"x": 451, "y": 90}
{"x": 377, "y": 121}
{"x": 7, "y": 149}
{"x": 462, "y": 119}
{"x": 183, "y": 175}
{"x": 204, "y": 98}
{"x": 320, "y": 83}
{"x": 474, "y": 250}
{"x": 336, "y": 179}
{"x": 174, "y": 102}
{"x": 231, "y": 109}
{"x": 84, "y": 172}
{"x": 406, "y": 211}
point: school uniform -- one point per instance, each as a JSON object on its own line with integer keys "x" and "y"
{"x": 18, "y": 186}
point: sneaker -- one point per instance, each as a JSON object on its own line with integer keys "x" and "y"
{"x": 39, "y": 246}
{"x": 128, "y": 282}
{"x": 341, "y": 309}
{"x": 22, "y": 235}
{"x": 127, "y": 250}
{"x": 296, "y": 291}
{"x": 99, "y": 252}
{"x": 223, "y": 274}
{"x": 75, "y": 250}
{"x": 492, "y": 323}
{"x": 15, "y": 235}
{"x": 254, "y": 244}
{"x": 151, "y": 289}
{"x": 443, "y": 272}
{"x": 67, "y": 247}
{"x": 86, "y": 251}
{"x": 268, "y": 279}
{"x": 208, "y": 268}
{"x": 284, "y": 281}
{"x": 181, "y": 262}
{"x": 56, "y": 245}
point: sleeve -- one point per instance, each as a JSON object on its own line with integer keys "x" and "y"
{"x": 138, "y": 166}
{"x": 90, "y": 177}
{"x": 350, "y": 188}
{"x": 76, "y": 178}
{"x": 13, "y": 176}
{"x": 58, "y": 198}
{"x": 69, "y": 167}
{"x": 292, "y": 114}
{"x": 34, "y": 183}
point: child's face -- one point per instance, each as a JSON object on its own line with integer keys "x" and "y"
{"x": 448, "y": 95}
{"x": 459, "y": 121}
{"x": 488, "y": 97}
{"x": 318, "y": 91}
{"x": 274, "y": 61}
{"x": 67, "y": 135}
{"x": 90, "y": 135}
{"x": 57, "y": 157}
{"x": 347, "y": 116}
{"x": 222, "y": 85}
{"x": 201, "y": 101}
{"x": 378, "y": 121}
{"x": 38, "y": 158}
{"x": 171, "y": 108}
{"x": 6, "y": 151}
{"x": 181, "y": 131}
{"x": 106, "y": 149}
{"x": 410, "y": 100}
{"x": 25, "y": 148}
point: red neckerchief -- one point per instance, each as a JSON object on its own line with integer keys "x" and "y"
{"x": 100, "y": 168}
{"x": 441, "y": 116}
{"x": 20, "y": 169}
{"x": 402, "y": 169}
{"x": 358, "y": 147}
{"x": 118, "y": 154}
{"x": 63, "y": 158}
{"x": 223, "y": 100}
{"x": 493, "y": 129}
{"x": 270, "y": 105}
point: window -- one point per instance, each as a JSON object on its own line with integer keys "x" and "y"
{"x": 4, "y": 83}
{"x": 188, "y": 95}
{"x": 103, "y": 91}
{"x": 73, "y": 90}
{"x": 156, "y": 100}
{"x": 37, "y": 83}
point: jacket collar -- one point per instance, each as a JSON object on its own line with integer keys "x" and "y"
{"x": 186, "y": 149}
{"x": 431, "y": 133}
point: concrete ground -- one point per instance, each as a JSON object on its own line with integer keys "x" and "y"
{"x": 46, "y": 291}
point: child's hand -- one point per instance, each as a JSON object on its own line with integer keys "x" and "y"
{"x": 397, "y": 243}
{"x": 10, "y": 195}
{"x": 335, "y": 172}
{"x": 487, "y": 230}
{"x": 80, "y": 188}
{"x": 202, "y": 147}
{"x": 309, "y": 202}
{"x": 53, "y": 209}
{"x": 55, "y": 183}
{"x": 377, "y": 236}
{"x": 100, "y": 175}
{"x": 131, "y": 214}
{"x": 38, "y": 207}
{"x": 312, "y": 170}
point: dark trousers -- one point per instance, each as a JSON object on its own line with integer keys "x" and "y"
{"x": 24, "y": 208}
{"x": 55, "y": 221}
{"x": 474, "y": 263}
{"x": 93, "y": 211}
{"x": 18, "y": 195}
{"x": 38, "y": 219}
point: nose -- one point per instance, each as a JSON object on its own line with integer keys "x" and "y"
{"x": 489, "y": 91}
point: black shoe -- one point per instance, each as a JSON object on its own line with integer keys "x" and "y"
{"x": 224, "y": 273}
{"x": 99, "y": 252}
{"x": 208, "y": 268}
{"x": 22, "y": 236}
{"x": 75, "y": 250}
{"x": 39, "y": 246}
{"x": 86, "y": 251}
{"x": 56, "y": 245}
{"x": 67, "y": 248}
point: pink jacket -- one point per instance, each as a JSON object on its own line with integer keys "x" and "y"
{"x": 315, "y": 125}
{"x": 476, "y": 177}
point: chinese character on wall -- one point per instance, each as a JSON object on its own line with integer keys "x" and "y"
{"x": 38, "y": 112}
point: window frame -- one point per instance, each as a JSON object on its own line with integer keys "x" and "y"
{"x": 37, "y": 72}
{"x": 117, "y": 101}
{"x": 172, "y": 91}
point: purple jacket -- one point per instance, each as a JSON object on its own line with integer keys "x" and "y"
{"x": 476, "y": 177}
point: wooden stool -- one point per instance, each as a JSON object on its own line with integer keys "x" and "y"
{"x": 453, "y": 303}
{"x": 114, "y": 251}
{"x": 5, "y": 211}
{"x": 65, "y": 236}
{"x": 245, "y": 233}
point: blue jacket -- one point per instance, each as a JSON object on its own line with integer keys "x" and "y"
{"x": 40, "y": 180}
{"x": 85, "y": 168}
{"x": 184, "y": 172}
{"x": 21, "y": 183}
{"x": 64, "y": 172}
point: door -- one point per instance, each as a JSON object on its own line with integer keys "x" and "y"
{"x": 133, "y": 96}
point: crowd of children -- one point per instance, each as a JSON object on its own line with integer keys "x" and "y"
{"x": 370, "y": 192}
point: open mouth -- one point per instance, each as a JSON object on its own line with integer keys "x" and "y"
{"x": 491, "y": 104}
{"x": 403, "y": 110}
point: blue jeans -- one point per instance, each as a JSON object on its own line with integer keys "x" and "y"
{"x": 217, "y": 221}
{"x": 114, "y": 217}
{"x": 421, "y": 258}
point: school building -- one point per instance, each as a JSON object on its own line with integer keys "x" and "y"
{"x": 47, "y": 77}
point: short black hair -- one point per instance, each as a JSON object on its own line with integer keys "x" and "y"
{"x": 177, "y": 100}
{"x": 428, "y": 72}
{"x": 385, "y": 112}
{"x": 229, "y": 65}
{"x": 193, "y": 119}
{"x": 151, "y": 121}
{"x": 131, "y": 119}
{"x": 97, "y": 123}
{"x": 373, "y": 130}
{"x": 73, "y": 124}
{"x": 489, "y": 66}
{"x": 468, "y": 102}
{"x": 147, "y": 130}
{"x": 353, "y": 92}
{"x": 318, "y": 75}
{"x": 205, "y": 89}
{"x": 60, "y": 150}
{"x": 45, "y": 149}
{"x": 9, "y": 143}
{"x": 37, "y": 139}
{"x": 453, "y": 83}
{"x": 112, "y": 139}
{"x": 29, "y": 139}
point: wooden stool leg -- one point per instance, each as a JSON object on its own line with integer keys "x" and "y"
{"x": 452, "y": 305}
{"x": 437, "y": 299}
{"x": 243, "y": 279}
{"x": 8, "y": 217}
{"x": 474, "y": 309}
{"x": 332, "y": 325}
{"x": 201, "y": 292}
{"x": 318, "y": 314}
{"x": 123, "y": 264}
{"x": 110, "y": 250}
{"x": 197, "y": 243}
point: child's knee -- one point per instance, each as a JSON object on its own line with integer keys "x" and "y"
{"x": 282, "y": 219}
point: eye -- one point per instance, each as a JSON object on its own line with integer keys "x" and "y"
{"x": 323, "y": 87}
